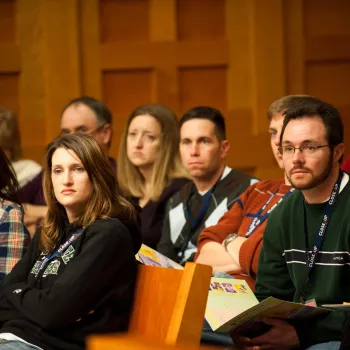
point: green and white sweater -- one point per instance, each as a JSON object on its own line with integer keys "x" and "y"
{"x": 282, "y": 271}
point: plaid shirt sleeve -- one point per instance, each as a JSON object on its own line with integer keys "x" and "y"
{"x": 14, "y": 237}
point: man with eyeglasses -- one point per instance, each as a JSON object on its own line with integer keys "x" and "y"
{"x": 85, "y": 115}
{"x": 233, "y": 245}
{"x": 91, "y": 117}
{"x": 305, "y": 254}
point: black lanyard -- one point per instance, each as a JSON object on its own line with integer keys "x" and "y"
{"x": 195, "y": 222}
{"x": 258, "y": 218}
{"x": 202, "y": 211}
{"x": 311, "y": 259}
{"x": 58, "y": 252}
{"x": 204, "y": 206}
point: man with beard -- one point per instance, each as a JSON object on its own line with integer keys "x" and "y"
{"x": 305, "y": 254}
{"x": 233, "y": 245}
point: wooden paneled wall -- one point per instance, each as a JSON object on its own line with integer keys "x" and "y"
{"x": 235, "y": 55}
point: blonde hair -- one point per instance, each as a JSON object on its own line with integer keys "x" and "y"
{"x": 9, "y": 133}
{"x": 104, "y": 202}
{"x": 281, "y": 105}
{"x": 167, "y": 165}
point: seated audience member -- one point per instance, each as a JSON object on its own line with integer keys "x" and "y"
{"x": 306, "y": 246}
{"x": 78, "y": 275}
{"x": 81, "y": 115}
{"x": 214, "y": 187}
{"x": 149, "y": 166}
{"x": 14, "y": 237}
{"x": 10, "y": 141}
{"x": 233, "y": 245}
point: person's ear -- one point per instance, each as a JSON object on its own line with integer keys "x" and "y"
{"x": 338, "y": 152}
{"x": 225, "y": 147}
{"x": 106, "y": 134}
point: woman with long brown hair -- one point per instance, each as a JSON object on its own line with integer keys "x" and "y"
{"x": 14, "y": 237}
{"x": 149, "y": 166}
{"x": 78, "y": 274}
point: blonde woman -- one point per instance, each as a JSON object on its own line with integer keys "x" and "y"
{"x": 149, "y": 167}
{"x": 78, "y": 275}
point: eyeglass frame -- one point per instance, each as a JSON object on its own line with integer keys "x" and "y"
{"x": 302, "y": 148}
{"x": 89, "y": 132}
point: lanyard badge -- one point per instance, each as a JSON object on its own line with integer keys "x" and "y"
{"x": 202, "y": 211}
{"x": 57, "y": 253}
{"x": 311, "y": 259}
{"x": 259, "y": 219}
{"x": 196, "y": 221}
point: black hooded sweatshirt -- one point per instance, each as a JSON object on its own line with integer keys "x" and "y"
{"x": 87, "y": 289}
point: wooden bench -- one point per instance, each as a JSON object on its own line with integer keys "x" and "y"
{"x": 169, "y": 304}
{"x": 131, "y": 342}
{"x": 168, "y": 309}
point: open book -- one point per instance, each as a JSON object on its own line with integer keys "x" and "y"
{"x": 231, "y": 303}
{"x": 232, "y": 306}
{"x": 151, "y": 257}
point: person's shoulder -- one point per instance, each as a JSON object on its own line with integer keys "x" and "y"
{"x": 235, "y": 177}
{"x": 288, "y": 208}
{"x": 178, "y": 182}
{"x": 183, "y": 192}
{"x": 268, "y": 185}
{"x": 115, "y": 230}
{"x": 32, "y": 191}
{"x": 10, "y": 209}
{"x": 7, "y": 206}
{"x": 258, "y": 190}
{"x": 36, "y": 180}
{"x": 107, "y": 225}
{"x": 175, "y": 185}
{"x": 234, "y": 182}
{"x": 262, "y": 188}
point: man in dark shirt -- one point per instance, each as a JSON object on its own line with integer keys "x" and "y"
{"x": 213, "y": 189}
{"x": 85, "y": 115}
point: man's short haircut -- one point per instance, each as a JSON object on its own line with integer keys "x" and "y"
{"x": 312, "y": 107}
{"x": 209, "y": 113}
{"x": 281, "y": 105}
{"x": 101, "y": 111}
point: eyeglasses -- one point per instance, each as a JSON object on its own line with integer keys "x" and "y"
{"x": 307, "y": 150}
{"x": 91, "y": 132}
{"x": 83, "y": 131}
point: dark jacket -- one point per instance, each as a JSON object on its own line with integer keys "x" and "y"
{"x": 178, "y": 234}
{"x": 153, "y": 213}
{"x": 87, "y": 289}
{"x": 290, "y": 233}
